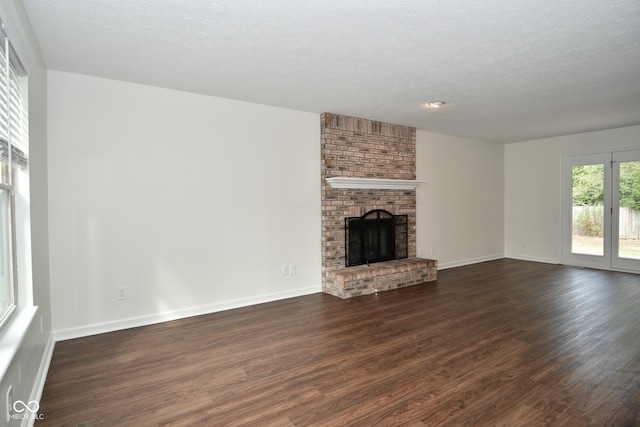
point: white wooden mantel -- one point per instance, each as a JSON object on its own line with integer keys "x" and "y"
{"x": 373, "y": 183}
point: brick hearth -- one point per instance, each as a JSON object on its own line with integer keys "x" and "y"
{"x": 360, "y": 148}
{"x": 382, "y": 276}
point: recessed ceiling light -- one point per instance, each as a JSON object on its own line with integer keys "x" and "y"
{"x": 436, "y": 104}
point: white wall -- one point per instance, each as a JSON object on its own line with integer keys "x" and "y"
{"x": 191, "y": 202}
{"x": 26, "y": 343}
{"x": 460, "y": 209}
{"x": 532, "y": 188}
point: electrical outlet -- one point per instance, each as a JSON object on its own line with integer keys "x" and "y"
{"x": 285, "y": 269}
{"x": 121, "y": 293}
{"x": 292, "y": 269}
{"x": 9, "y": 403}
{"x": 433, "y": 250}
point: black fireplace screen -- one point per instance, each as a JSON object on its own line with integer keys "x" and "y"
{"x": 375, "y": 236}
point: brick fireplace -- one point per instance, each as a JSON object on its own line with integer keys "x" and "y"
{"x": 380, "y": 160}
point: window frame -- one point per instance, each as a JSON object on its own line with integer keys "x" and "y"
{"x": 14, "y": 140}
{"x": 13, "y": 291}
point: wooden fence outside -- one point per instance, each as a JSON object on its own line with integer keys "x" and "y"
{"x": 588, "y": 222}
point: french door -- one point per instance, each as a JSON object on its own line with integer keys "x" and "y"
{"x": 601, "y": 210}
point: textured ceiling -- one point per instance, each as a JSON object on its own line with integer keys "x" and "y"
{"x": 509, "y": 70}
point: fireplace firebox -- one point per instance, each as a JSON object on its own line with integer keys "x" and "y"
{"x": 376, "y": 236}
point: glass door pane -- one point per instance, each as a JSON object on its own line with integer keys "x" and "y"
{"x": 626, "y": 211}
{"x": 586, "y": 206}
{"x": 629, "y": 211}
{"x": 587, "y": 223}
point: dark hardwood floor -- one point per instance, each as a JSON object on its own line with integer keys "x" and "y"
{"x": 505, "y": 343}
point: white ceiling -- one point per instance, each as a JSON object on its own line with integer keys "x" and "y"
{"x": 509, "y": 70}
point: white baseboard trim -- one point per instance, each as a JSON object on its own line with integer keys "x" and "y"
{"x": 469, "y": 261}
{"x": 41, "y": 377}
{"x": 134, "y": 322}
{"x": 534, "y": 259}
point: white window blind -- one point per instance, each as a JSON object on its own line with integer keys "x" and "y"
{"x": 13, "y": 153}
{"x": 13, "y": 112}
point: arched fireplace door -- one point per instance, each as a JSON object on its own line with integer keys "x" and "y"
{"x": 376, "y": 236}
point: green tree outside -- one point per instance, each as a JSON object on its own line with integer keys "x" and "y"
{"x": 588, "y": 193}
{"x": 588, "y": 185}
{"x": 630, "y": 185}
